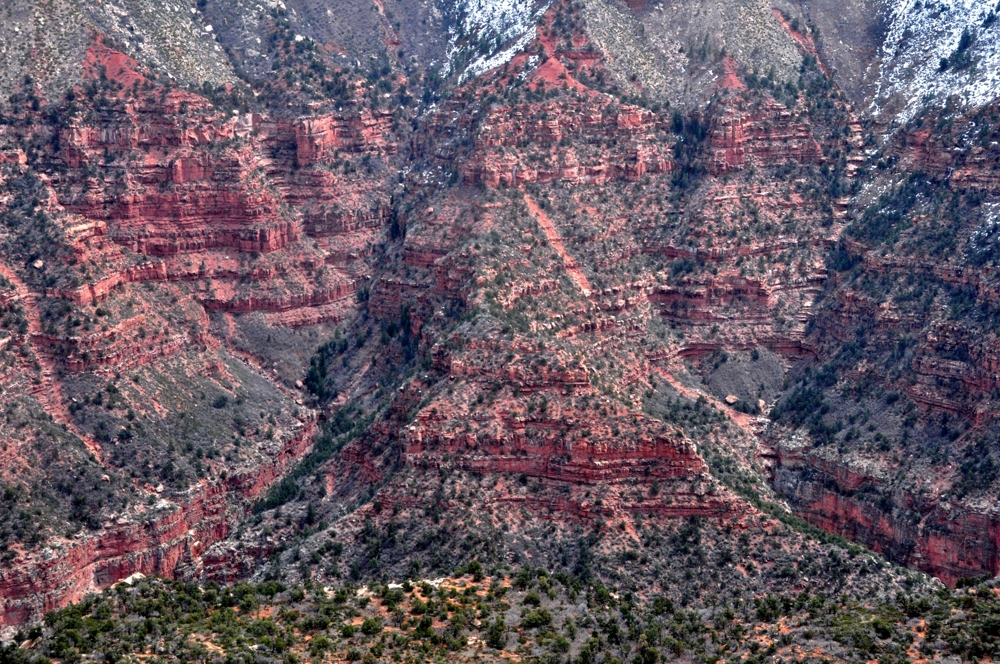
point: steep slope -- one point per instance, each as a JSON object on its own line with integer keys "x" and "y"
{"x": 555, "y": 300}
{"x": 902, "y": 411}
{"x": 581, "y": 283}
{"x": 138, "y": 218}
{"x": 933, "y": 52}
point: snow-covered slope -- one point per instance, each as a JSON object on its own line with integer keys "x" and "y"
{"x": 921, "y": 34}
{"x": 488, "y": 33}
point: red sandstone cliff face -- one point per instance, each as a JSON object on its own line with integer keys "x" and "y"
{"x": 584, "y": 249}
{"x": 317, "y": 137}
{"x": 170, "y": 540}
{"x": 769, "y": 134}
{"x": 557, "y": 249}
{"x": 764, "y": 237}
{"x": 924, "y": 529}
{"x": 554, "y": 259}
{"x": 923, "y": 360}
{"x": 549, "y": 427}
{"x": 555, "y": 126}
{"x": 580, "y": 253}
{"x": 218, "y": 202}
{"x": 158, "y": 210}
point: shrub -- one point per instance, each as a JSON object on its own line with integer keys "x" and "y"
{"x": 319, "y": 645}
{"x": 371, "y": 626}
{"x": 424, "y": 629}
{"x": 536, "y": 618}
{"x": 496, "y": 634}
{"x": 475, "y": 568}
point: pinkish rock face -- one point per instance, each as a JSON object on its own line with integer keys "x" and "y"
{"x": 338, "y": 283}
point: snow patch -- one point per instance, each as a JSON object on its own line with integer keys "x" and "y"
{"x": 984, "y": 243}
{"x": 921, "y": 34}
{"x": 488, "y": 33}
{"x": 485, "y": 64}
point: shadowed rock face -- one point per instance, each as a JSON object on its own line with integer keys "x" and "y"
{"x": 624, "y": 272}
{"x": 912, "y": 307}
{"x": 850, "y": 37}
